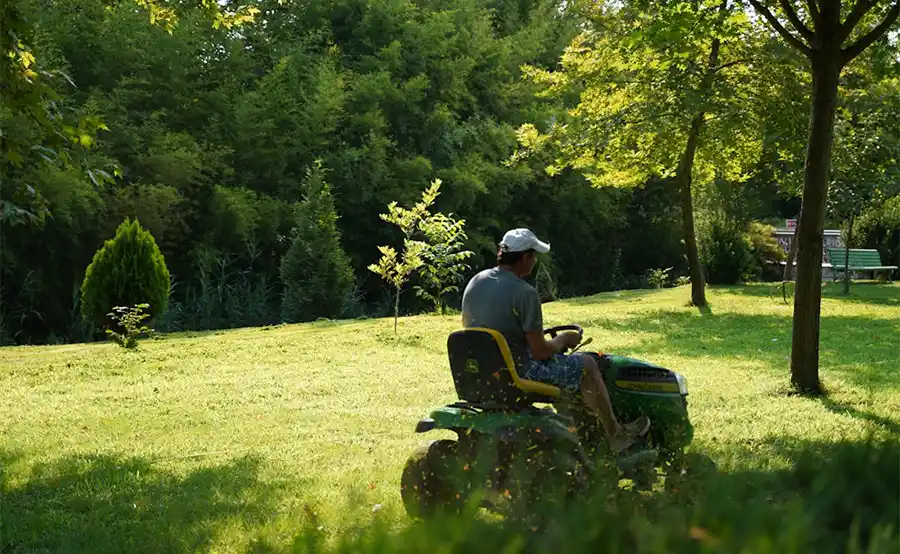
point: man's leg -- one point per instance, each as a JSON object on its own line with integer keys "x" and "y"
{"x": 596, "y": 397}
{"x": 579, "y": 372}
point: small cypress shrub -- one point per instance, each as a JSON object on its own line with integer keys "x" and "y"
{"x": 127, "y": 270}
{"x": 315, "y": 270}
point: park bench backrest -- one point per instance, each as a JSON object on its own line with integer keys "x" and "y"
{"x": 858, "y": 257}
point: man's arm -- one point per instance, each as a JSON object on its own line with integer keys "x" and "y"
{"x": 541, "y": 348}
{"x": 532, "y": 320}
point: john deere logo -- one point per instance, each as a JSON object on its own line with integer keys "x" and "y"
{"x": 471, "y": 366}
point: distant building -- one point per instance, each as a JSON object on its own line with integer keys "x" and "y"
{"x": 832, "y": 239}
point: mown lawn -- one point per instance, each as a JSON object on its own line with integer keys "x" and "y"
{"x": 230, "y": 440}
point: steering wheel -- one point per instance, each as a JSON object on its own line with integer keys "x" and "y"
{"x": 553, "y": 331}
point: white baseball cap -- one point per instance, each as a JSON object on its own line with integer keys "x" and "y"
{"x": 518, "y": 240}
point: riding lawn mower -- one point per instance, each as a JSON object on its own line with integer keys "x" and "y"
{"x": 514, "y": 436}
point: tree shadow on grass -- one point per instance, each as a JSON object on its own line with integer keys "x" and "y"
{"x": 608, "y": 297}
{"x": 103, "y": 503}
{"x": 860, "y": 348}
{"x": 842, "y": 408}
{"x": 860, "y": 292}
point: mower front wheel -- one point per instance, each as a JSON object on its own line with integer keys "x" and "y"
{"x": 427, "y": 483}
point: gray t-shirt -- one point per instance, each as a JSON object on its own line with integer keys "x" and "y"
{"x": 498, "y": 299}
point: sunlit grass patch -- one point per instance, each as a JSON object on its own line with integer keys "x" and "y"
{"x": 226, "y": 440}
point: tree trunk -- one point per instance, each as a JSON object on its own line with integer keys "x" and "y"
{"x": 807, "y": 302}
{"x": 396, "y": 309}
{"x": 791, "y": 257}
{"x": 698, "y": 282}
{"x": 847, "y": 257}
{"x": 789, "y": 265}
{"x": 684, "y": 177}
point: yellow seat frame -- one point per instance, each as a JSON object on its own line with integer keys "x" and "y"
{"x": 525, "y": 385}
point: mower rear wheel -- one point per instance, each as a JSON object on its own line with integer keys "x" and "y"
{"x": 543, "y": 481}
{"x": 427, "y": 483}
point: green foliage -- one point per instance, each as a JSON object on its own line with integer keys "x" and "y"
{"x": 443, "y": 261}
{"x": 735, "y": 251}
{"x": 127, "y": 270}
{"x": 658, "y": 278}
{"x": 544, "y": 281}
{"x": 214, "y": 132}
{"x": 763, "y": 244}
{"x": 49, "y": 129}
{"x": 228, "y": 292}
{"x": 867, "y": 147}
{"x": 40, "y": 127}
{"x": 724, "y": 249}
{"x": 432, "y": 244}
{"x": 660, "y": 91}
{"x": 315, "y": 270}
{"x": 879, "y": 227}
{"x": 867, "y": 142}
{"x": 397, "y": 269}
{"x": 130, "y": 321}
{"x": 640, "y": 73}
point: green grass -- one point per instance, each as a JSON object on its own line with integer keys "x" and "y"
{"x": 233, "y": 441}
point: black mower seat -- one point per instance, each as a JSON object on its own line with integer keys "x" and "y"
{"x": 484, "y": 371}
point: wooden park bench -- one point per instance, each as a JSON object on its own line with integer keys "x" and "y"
{"x": 860, "y": 260}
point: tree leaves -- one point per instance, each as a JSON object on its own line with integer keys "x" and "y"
{"x": 641, "y": 73}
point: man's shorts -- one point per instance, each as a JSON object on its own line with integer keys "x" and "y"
{"x": 561, "y": 370}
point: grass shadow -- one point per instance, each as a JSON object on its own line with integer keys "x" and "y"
{"x": 104, "y": 503}
{"x": 609, "y": 297}
{"x": 867, "y": 292}
{"x": 852, "y": 411}
{"x": 858, "y": 347}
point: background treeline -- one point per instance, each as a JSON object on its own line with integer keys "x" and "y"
{"x": 218, "y": 132}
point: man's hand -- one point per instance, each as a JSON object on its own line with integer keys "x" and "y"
{"x": 566, "y": 339}
{"x": 543, "y": 349}
{"x": 573, "y": 338}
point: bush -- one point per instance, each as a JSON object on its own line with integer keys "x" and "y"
{"x": 658, "y": 278}
{"x": 733, "y": 251}
{"x": 879, "y": 228}
{"x": 315, "y": 270}
{"x": 544, "y": 279}
{"x": 127, "y": 270}
{"x": 765, "y": 250}
{"x": 725, "y": 250}
{"x": 130, "y": 320}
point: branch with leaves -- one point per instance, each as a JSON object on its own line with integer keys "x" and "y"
{"x": 397, "y": 269}
{"x": 444, "y": 258}
{"x": 432, "y": 243}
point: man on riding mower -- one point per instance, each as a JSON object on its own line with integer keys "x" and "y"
{"x": 499, "y": 298}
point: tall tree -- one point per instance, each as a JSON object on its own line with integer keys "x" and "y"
{"x": 867, "y": 148}
{"x": 315, "y": 270}
{"x": 49, "y": 129}
{"x": 659, "y": 89}
{"x": 830, "y": 35}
